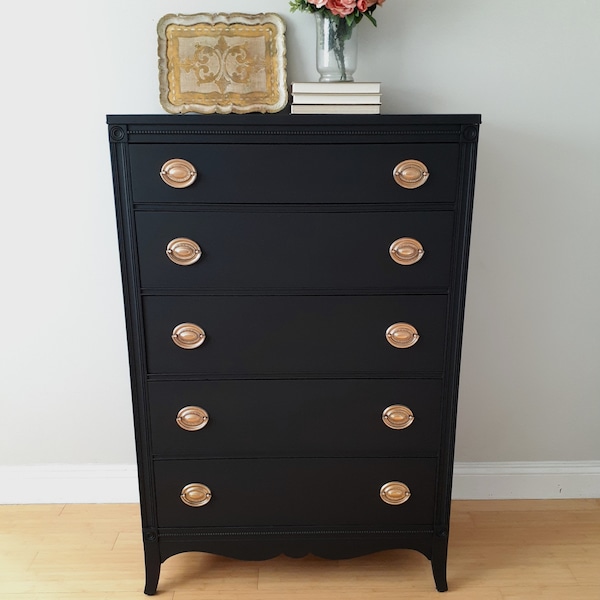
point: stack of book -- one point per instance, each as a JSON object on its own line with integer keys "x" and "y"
{"x": 339, "y": 97}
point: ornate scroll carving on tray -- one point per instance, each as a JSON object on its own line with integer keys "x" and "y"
{"x": 222, "y": 63}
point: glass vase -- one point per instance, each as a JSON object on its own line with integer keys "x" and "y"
{"x": 337, "y": 48}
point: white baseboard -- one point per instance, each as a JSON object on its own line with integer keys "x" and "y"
{"x": 68, "y": 484}
{"x": 539, "y": 480}
{"x": 100, "y": 484}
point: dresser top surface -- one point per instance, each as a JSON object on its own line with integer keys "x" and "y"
{"x": 285, "y": 119}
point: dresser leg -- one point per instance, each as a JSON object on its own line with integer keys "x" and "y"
{"x": 152, "y": 562}
{"x": 439, "y": 559}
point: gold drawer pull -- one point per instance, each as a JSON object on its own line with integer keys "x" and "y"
{"x": 178, "y": 173}
{"x": 402, "y": 335}
{"x": 406, "y": 251}
{"x": 188, "y": 336}
{"x": 397, "y": 416}
{"x": 410, "y": 174}
{"x": 196, "y": 494}
{"x": 183, "y": 251}
{"x": 192, "y": 418}
{"x": 394, "y": 492}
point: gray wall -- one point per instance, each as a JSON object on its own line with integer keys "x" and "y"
{"x": 530, "y": 385}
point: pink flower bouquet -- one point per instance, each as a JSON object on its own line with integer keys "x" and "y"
{"x": 350, "y": 10}
{"x": 336, "y": 20}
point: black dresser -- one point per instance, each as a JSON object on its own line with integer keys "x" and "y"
{"x": 294, "y": 294}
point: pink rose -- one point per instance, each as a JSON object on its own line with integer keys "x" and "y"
{"x": 363, "y": 5}
{"x": 318, "y": 3}
{"x": 341, "y": 8}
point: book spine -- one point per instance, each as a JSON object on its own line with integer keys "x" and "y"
{"x": 335, "y": 109}
{"x": 300, "y": 98}
{"x": 346, "y": 87}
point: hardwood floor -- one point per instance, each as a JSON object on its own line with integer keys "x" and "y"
{"x": 499, "y": 550}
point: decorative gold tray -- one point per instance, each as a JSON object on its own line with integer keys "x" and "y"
{"x": 222, "y": 63}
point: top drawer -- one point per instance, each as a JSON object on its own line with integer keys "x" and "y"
{"x": 294, "y": 173}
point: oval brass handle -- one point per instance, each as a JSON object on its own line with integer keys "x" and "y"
{"x": 394, "y": 492}
{"x": 406, "y": 251}
{"x": 178, "y": 173}
{"x": 183, "y": 251}
{"x": 196, "y": 494}
{"x": 192, "y": 418}
{"x": 188, "y": 336}
{"x": 402, "y": 335}
{"x": 410, "y": 174}
{"x": 398, "y": 416}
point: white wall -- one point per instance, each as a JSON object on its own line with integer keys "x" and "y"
{"x": 530, "y": 385}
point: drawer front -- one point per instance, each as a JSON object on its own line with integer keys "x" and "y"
{"x": 295, "y": 335}
{"x": 294, "y": 492}
{"x": 295, "y": 418}
{"x": 294, "y": 173}
{"x": 262, "y": 250}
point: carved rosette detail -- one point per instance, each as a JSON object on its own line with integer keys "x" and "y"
{"x": 150, "y": 536}
{"x": 470, "y": 133}
{"x": 117, "y": 134}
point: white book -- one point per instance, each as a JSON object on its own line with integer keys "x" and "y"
{"x": 305, "y": 98}
{"x": 335, "y": 109}
{"x": 336, "y": 87}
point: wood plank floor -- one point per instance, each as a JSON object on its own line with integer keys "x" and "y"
{"x": 499, "y": 550}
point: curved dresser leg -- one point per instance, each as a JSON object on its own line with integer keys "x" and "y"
{"x": 439, "y": 559}
{"x": 152, "y": 562}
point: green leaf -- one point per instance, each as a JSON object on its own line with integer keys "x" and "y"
{"x": 371, "y": 18}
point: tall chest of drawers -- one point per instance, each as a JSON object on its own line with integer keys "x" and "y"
{"x": 294, "y": 295}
